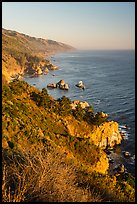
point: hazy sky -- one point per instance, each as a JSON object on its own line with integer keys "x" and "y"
{"x": 84, "y": 25}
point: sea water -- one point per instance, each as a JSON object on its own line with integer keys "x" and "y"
{"x": 109, "y": 78}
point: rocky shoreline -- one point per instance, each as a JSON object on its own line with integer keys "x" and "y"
{"x": 34, "y": 122}
{"x": 61, "y": 85}
{"x": 107, "y": 135}
{"x": 42, "y": 68}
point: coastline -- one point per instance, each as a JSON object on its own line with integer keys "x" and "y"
{"x": 58, "y": 137}
{"x": 101, "y": 167}
{"x": 123, "y": 149}
{"x": 66, "y": 129}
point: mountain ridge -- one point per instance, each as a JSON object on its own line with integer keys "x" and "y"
{"x": 47, "y": 42}
{"x": 21, "y": 52}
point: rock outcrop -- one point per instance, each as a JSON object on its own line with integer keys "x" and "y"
{"x": 80, "y": 85}
{"x": 126, "y": 154}
{"x": 10, "y": 68}
{"x": 52, "y": 86}
{"x": 102, "y": 114}
{"x": 38, "y": 71}
{"x": 83, "y": 104}
{"x": 20, "y": 52}
{"x": 50, "y": 66}
{"x": 105, "y": 135}
{"x": 102, "y": 165}
{"x": 45, "y": 71}
{"x": 119, "y": 170}
{"x": 62, "y": 85}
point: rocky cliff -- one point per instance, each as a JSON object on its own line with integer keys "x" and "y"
{"x": 21, "y": 52}
{"x": 43, "y": 137}
{"x": 105, "y": 135}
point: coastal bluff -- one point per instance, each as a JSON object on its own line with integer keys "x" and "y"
{"x": 41, "y": 137}
{"x": 105, "y": 135}
{"x": 25, "y": 54}
{"x": 53, "y": 148}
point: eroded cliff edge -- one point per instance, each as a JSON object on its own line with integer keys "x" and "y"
{"x": 25, "y": 54}
{"x": 49, "y": 136}
{"x": 58, "y": 120}
{"x": 41, "y": 137}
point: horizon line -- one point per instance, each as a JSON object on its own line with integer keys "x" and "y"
{"x": 94, "y": 49}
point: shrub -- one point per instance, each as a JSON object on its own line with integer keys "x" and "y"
{"x": 42, "y": 98}
{"x": 89, "y": 115}
{"x": 6, "y": 92}
{"x": 63, "y": 107}
{"x": 83, "y": 150}
{"x": 40, "y": 176}
{"x": 98, "y": 119}
{"x": 18, "y": 87}
{"x": 79, "y": 112}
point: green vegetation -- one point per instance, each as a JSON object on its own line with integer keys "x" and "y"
{"x": 42, "y": 161}
{"x": 99, "y": 119}
{"x": 24, "y": 59}
{"x": 46, "y": 152}
{"x": 15, "y": 41}
{"x": 79, "y": 112}
{"x": 84, "y": 151}
{"x": 24, "y": 54}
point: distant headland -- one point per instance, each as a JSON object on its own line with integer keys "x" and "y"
{"x": 22, "y": 53}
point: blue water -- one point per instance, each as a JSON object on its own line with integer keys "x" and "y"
{"x": 109, "y": 77}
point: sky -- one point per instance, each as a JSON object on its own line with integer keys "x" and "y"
{"x": 83, "y": 25}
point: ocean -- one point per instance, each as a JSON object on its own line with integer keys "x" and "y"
{"x": 109, "y": 78}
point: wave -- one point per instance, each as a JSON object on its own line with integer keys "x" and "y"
{"x": 124, "y": 131}
{"x": 132, "y": 159}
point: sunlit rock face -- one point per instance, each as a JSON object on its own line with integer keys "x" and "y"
{"x": 62, "y": 85}
{"x": 102, "y": 165}
{"x": 83, "y": 104}
{"x": 106, "y": 135}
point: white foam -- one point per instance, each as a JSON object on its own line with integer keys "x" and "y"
{"x": 133, "y": 157}
{"x": 122, "y": 126}
{"x": 132, "y": 160}
{"x": 124, "y": 131}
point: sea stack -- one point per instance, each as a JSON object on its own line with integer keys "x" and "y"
{"x": 81, "y": 85}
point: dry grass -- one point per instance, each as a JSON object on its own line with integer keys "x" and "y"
{"x": 42, "y": 176}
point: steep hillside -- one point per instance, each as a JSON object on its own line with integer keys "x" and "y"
{"x": 21, "y": 52}
{"x": 35, "y": 46}
{"x": 51, "y": 152}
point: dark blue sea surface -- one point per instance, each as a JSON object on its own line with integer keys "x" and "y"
{"x": 109, "y": 77}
